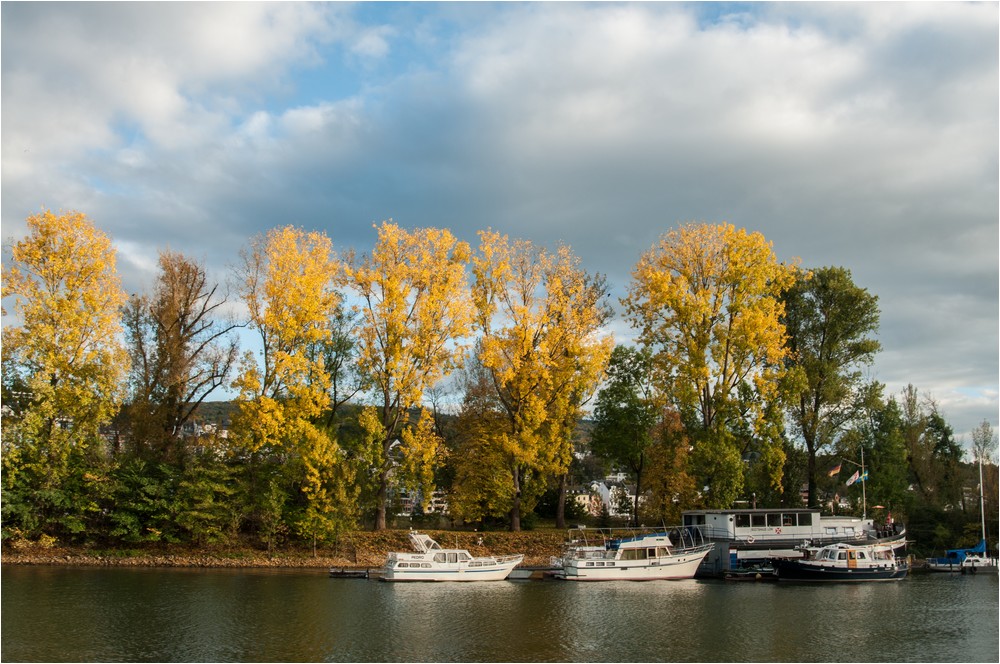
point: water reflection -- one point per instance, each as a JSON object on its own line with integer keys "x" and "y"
{"x": 62, "y": 614}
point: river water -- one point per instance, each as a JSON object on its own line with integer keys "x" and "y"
{"x": 170, "y": 615}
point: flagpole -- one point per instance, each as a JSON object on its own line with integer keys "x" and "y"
{"x": 864, "y": 493}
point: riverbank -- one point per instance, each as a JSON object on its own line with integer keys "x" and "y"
{"x": 361, "y": 549}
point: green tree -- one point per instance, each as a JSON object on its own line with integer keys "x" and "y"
{"x": 625, "y": 415}
{"x": 830, "y": 322}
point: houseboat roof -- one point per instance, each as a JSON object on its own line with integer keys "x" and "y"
{"x": 759, "y": 510}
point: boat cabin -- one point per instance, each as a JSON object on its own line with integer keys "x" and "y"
{"x": 748, "y": 537}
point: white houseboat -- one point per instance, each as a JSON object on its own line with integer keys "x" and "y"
{"x": 746, "y": 538}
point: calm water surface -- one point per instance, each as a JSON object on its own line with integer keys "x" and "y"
{"x": 72, "y": 614}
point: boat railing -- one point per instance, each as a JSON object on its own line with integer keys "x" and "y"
{"x": 681, "y": 537}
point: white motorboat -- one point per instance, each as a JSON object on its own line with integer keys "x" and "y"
{"x": 429, "y": 562}
{"x": 627, "y": 554}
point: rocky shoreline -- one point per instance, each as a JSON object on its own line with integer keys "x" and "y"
{"x": 359, "y": 550}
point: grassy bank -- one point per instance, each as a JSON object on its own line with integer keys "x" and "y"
{"x": 356, "y": 549}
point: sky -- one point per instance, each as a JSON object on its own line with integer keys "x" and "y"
{"x": 861, "y": 135}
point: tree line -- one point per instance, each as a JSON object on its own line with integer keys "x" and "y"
{"x": 745, "y": 380}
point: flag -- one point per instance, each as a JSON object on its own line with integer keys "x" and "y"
{"x": 863, "y": 477}
{"x": 854, "y": 478}
{"x": 833, "y": 471}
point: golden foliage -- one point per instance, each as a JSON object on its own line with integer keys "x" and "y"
{"x": 415, "y": 313}
{"x": 288, "y": 281}
{"x": 706, "y": 301}
{"x": 540, "y": 316}
{"x": 67, "y": 349}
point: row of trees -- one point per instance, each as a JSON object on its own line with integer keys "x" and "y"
{"x": 736, "y": 353}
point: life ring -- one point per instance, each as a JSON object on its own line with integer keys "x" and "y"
{"x": 858, "y": 535}
{"x": 750, "y": 540}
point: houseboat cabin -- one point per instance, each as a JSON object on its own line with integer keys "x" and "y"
{"x": 749, "y": 537}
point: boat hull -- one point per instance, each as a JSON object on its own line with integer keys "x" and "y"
{"x": 498, "y": 572}
{"x": 796, "y": 570}
{"x": 679, "y": 566}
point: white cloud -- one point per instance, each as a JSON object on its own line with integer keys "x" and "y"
{"x": 854, "y": 134}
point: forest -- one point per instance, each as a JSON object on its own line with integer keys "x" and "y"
{"x": 427, "y": 367}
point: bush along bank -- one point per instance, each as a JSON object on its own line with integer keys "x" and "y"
{"x": 361, "y": 549}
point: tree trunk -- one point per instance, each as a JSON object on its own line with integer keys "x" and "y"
{"x": 515, "y": 510}
{"x": 811, "y": 474}
{"x": 383, "y": 497}
{"x": 561, "y": 505}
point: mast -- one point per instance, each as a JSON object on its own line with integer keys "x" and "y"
{"x": 982, "y": 508}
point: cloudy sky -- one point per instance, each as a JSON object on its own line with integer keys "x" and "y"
{"x": 861, "y": 135}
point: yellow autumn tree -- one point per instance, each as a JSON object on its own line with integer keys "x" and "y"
{"x": 422, "y": 452}
{"x": 63, "y": 364}
{"x": 414, "y": 314}
{"x": 540, "y": 317}
{"x": 705, "y": 300}
{"x": 288, "y": 280}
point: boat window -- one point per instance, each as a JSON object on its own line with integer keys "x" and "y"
{"x": 806, "y": 519}
{"x": 788, "y": 519}
{"x": 831, "y": 530}
{"x": 425, "y": 564}
{"x": 773, "y": 520}
{"x": 758, "y": 520}
{"x": 439, "y": 557}
{"x": 742, "y": 520}
{"x": 662, "y": 551}
{"x": 452, "y": 557}
{"x": 599, "y": 564}
{"x": 403, "y": 565}
{"x": 633, "y": 554}
{"x": 590, "y": 564}
{"x": 650, "y": 553}
{"x": 841, "y": 556}
{"x": 862, "y": 556}
{"x": 611, "y": 564}
{"x": 463, "y": 557}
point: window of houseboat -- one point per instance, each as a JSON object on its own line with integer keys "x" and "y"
{"x": 758, "y": 520}
{"x": 439, "y": 558}
{"x": 403, "y": 565}
{"x": 662, "y": 551}
{"x": 463, "y": 557}
{"x": 773, "y": 520}
{"x": 788, "y": 520}
{"x": 862, "y": 556}
{"x": 742, "y": 520}
{"x": 849, "y": 530}
{"x": 452, "y": 557}
{"x": 806, "y": 519}
{"x": 425, "y": 564}
{"x": 842, "y": 556}
{"x": 634, "y": 554}
{"x": 831, "y": 530}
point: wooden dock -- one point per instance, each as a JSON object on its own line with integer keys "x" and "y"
{"x": 355, "y": 573}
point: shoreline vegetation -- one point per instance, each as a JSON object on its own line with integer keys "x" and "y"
{"x": 355, "y": 550}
